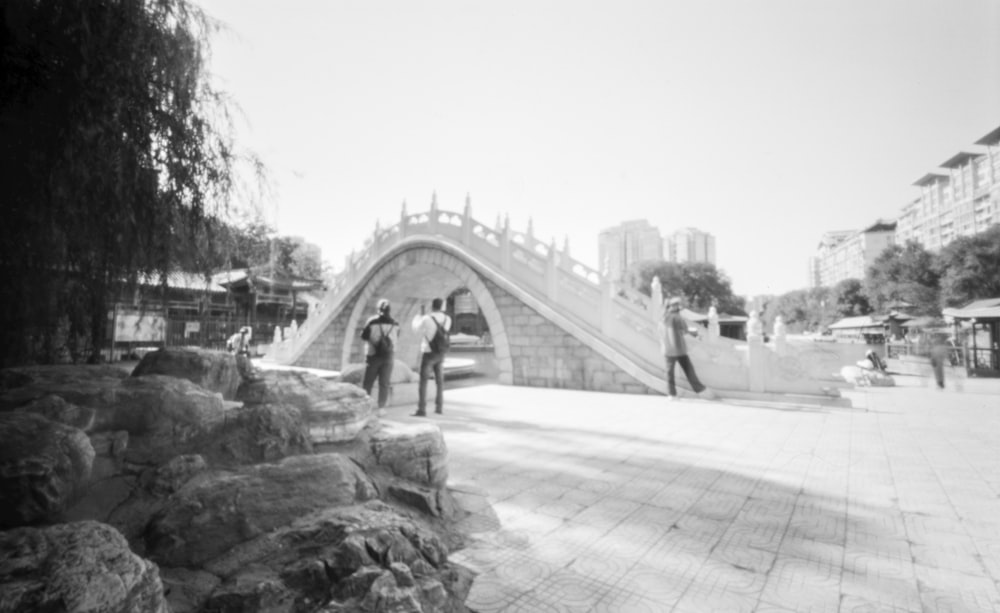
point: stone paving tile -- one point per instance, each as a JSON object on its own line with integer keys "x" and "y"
{"x": 713, "y": 507}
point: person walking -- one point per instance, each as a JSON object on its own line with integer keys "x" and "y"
{"x": 433, "y": 329}
{"x": 381, "y": 332}
{"x": 672, "y": 328}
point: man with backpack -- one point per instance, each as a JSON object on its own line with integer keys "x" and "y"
{"x": 434, "y": 344}
{"x": 380, "y": 333}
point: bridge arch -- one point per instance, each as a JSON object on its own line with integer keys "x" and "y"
{"x": 411, "y": 277}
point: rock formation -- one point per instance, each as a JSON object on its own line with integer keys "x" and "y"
{"x": 294, "y": 497}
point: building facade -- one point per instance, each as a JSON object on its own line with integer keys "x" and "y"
{"x": 627, "y": 243}
{"x": 847, "y": 254}
{"x": 690, "y": 245}
{"x": 961, "y": 200}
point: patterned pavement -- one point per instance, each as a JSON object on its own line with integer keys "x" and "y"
{"x": 584, "y": 501}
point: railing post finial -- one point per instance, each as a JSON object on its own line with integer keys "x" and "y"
{"x": 566, "y": 245}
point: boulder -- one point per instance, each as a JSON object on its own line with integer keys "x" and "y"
{"x": 215, "y": 371}
{"x": 260, "y": 433}
{"x": 83, "y": 566}
{"x": 412, "y": 451}
{"x": 332, "y": 412}
{"x": 43, "y": 466}
{"x": 362, "y": 557}
{"x": 217, "y": 510}
{"x": 163, "y": 415}
{"x": 187, "y": 590}
{"x": 79, "y": 385}
{"x": 56, "y": 409}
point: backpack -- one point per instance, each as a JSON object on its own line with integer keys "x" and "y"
{"x": 440, "y": 343}
{"x": 383, "y": 346}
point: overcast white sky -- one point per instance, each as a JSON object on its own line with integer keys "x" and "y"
{"x": 765, "y": 122}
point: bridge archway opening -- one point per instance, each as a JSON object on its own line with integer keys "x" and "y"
{"x": 410, "y": 281}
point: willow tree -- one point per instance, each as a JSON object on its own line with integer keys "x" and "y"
{"x": 115, "y": 149}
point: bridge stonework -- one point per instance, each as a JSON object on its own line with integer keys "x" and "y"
{"x": 545, "y": 355}
{"x": 529, "y": 349}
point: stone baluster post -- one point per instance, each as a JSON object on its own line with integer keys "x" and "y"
{"x": 505, "y": 244}
{"x": 552, "y": 272}
{"x": 376, "y": 239}
{"x": 433, "y": 222}
{"x": 467, "y": 221}
{"x": 756, "y": 353}
{"x": 713, "y": 323}
{"x": 780, "y": 336}
{"x": 607, "y": 302}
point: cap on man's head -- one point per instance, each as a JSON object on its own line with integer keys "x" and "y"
{"x": 383, "y": 305}
{"x": 674, "y": 302}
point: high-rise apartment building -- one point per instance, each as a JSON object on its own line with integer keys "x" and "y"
{"x": 690, "y": 245}
{"x": 962, "y": 200}
{"x": 847, "y": 254}
{"x": 627, "y": 243}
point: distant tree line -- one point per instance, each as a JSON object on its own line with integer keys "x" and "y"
{"x": 966, "y": 269}
{"x": 700, "y": 284}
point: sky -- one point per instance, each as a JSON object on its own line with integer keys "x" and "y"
{"x": 765, "y": 123}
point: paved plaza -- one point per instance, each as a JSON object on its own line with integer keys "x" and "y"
{"x": 603, "y": 502}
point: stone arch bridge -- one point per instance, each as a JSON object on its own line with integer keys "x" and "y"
{"x": 554, "y": 321}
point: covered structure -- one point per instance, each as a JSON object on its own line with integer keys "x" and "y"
{"x": 981, "y": 342}
{"x": 265, "y": 298}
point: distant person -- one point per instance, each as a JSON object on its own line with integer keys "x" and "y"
{"x": 381, "y": 333}
{"x": 433, "y": 330}
{"x": 672, "y": 328}
{"x": 940, "y": 353}
{"x": 239, "y": 343}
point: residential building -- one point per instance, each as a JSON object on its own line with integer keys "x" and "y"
{"x": 847, "y": 254}
{"x": 961, "y": 201}
{"x": 690, "y": 245}
{"x": 627, "y": 243}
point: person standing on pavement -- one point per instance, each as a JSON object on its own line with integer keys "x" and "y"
{"x": 672, "y": 328}
{"x": 381, "y": 332}
{"x": 433, "y": 329}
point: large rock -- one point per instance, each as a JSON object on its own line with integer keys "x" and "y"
{"x": 43, "y": 466}
{"x": 219, "y": 509}
{"x": 260, "y": 433}
{"x": 215, "y": 371}
{"x": 364, "y": 557}
{"x": 332, "y": 412}
{"x": 85, "y": 567}
{"x": 56, "y": 409}
{"x": 81, "y": 385}
{"x": 412, "y": 451}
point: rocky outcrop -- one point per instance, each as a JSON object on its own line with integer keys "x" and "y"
{"x": 294, "y": 497}
{"x": 219, "y": 509}
{"x": 260, "y": 433}
{"x": 83, "y": 566}
{"x": 214, "y": 371}
{"x": 43, "y": 466}
{"x": 332, "y": 412}
{"x": 364, "y": 557}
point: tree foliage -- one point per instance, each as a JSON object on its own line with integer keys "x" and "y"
{"x": 970, "y": 268}
{"x": 849, "y": 298}
{"x": 906, "y": 272}
{"x": 804, "y": 310}
{"x": 700, "y": 283}
{"x": 114, "y": 151}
